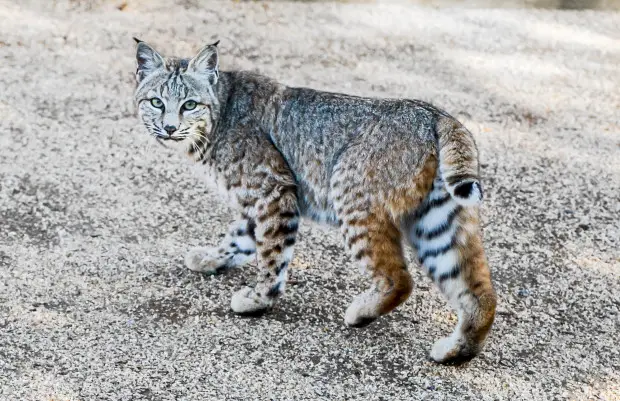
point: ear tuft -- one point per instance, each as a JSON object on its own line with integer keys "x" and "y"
{"x": 148, "y": 60}
{"x": 216, "y": 43}
{"x": 206, "y": 62}
{"x": 137, "y": 40}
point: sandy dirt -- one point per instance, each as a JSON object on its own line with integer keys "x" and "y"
{"x": 95, "y": 303}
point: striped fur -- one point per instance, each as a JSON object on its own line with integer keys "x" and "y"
{"x": 383, "y": 170}
{"x": 447, "y": 239}
{"x": 237, "y": 248}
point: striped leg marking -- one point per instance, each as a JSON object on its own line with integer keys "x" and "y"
{"x": 374, "y": 243}
{"x": 448, "y": 241}
{"x": 237, "y": 248}
{"x": 277, "y": 223}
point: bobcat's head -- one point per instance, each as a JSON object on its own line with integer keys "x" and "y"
{"x": 176, "y": 98}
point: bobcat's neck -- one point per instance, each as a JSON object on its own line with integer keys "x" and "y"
{"x": 247, "y": 99}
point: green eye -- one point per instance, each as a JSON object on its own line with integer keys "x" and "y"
{"x": 189, "y": 105}
{"x": 155, "y": 102}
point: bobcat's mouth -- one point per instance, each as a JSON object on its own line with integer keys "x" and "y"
{"x": 167, "y": 137}
{"x": 164, "y": 138}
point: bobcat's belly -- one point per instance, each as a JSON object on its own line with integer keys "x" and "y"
{"x": 316, "y": 207}
{"x": 320, "y": 215}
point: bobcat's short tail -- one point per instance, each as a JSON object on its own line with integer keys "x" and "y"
{"x": 458, "y": 162}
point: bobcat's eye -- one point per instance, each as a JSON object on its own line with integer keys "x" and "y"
{"x": 157, "y": 103}
{"x": 189, "y": 105}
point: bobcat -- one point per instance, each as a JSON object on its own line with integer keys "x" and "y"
{"x": 380, "y": 169}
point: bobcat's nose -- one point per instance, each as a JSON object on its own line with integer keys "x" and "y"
{"x": 170, "y": 129}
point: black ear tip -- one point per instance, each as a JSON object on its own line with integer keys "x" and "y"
{"x": 216, "y": 43}
{"x": 138, "y": 41}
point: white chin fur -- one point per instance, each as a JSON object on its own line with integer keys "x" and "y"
{"x": 178, "y": 146}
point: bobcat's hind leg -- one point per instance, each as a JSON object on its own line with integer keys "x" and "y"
{"x": 471, "y": 293}
{"x": 449, "y": 246}
{"x": 371, "y": 228}
{"x": 374, "y": 243}
{"x": 236, "y": 249}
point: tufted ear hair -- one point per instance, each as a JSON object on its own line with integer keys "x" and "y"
{"x": 206, "y": 62}
{"x": 148, "y": 60}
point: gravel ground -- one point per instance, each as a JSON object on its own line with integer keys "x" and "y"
{"x": 95, "y": 303}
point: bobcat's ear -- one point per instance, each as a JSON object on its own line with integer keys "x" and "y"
{"x": 148, "y": 60}
{"x": 207, "y": 62}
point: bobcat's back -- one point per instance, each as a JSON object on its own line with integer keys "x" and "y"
{"x": 390, "y": 138}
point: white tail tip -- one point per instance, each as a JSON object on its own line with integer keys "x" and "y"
{"x": 467, "y": 193}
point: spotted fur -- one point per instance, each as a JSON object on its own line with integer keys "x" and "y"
{"x": 383, "y": 170}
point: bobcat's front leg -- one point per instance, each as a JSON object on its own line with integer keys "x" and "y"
{"x": 277, "y": 220}
{"x": 236, "y": 249}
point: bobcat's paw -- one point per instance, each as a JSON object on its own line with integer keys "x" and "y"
{"x": 205, "y": 261}
{"x": 247, "y": 302}
{"x": 363, "y": 310}
{"x": 451, "y": 350}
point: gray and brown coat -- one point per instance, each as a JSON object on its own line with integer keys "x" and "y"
{"x": 383, "y": 170}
